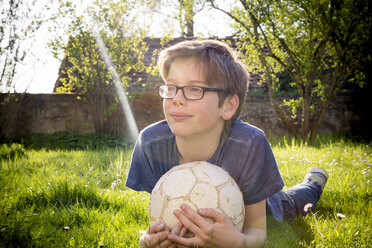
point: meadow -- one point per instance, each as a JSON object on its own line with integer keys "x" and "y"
{"x": 53, "y": 197}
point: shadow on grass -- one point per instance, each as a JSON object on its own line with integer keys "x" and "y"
{"x": 319, "y": 141}
{"x": 64, "y": 195}
{"x": 347, "y": 203}
{"x": 15, "y": 229}
{"x": 299, "y": 233}
{"x": 287, "y": 234}
{"x": 71, "y": 141}
{"x": 42, "y": 215}
{"x": 61, "y": 195}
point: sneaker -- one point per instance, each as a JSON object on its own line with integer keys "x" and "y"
{"x": 317, "y": 177}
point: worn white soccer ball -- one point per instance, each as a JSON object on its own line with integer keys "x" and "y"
{"x": 200, "y": 185}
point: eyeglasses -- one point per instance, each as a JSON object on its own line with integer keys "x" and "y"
{"x": 167, "y": 91}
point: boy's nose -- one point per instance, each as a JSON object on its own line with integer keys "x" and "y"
{"x": 179, "y": 98}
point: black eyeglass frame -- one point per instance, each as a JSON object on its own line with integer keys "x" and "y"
{"x": 205, "y": 89}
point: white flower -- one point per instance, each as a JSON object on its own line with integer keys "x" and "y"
{"x": 340, "y": 216}
{"x": 308, "y": 207}
{"x": 66, "y": 228}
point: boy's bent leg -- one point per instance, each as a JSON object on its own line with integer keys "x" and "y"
{"x": 309, "y": 191}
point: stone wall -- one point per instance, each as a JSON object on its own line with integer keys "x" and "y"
{"x": 258, "y": 111}
{"x": 21, "y": 114}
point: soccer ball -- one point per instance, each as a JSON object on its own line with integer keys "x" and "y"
{"x": 199, "y": 185}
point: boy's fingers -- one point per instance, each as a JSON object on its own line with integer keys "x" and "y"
{"x": 212, "y": 214}
{"x": 193, "y": 217}
{"x": 182, "y": 246}
{"x": 157, "y": 227}
{"x": 189, "y": 219}
{"x": 156, "y": 236}
{"x": 181, "y": 241}
{"x": 160, "y": 240}
{"x": 183, "y": 231}
{"x": 177, "y": 228}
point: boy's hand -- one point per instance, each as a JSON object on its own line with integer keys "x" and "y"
{"x": 221, "y": 233}
{"x": 157, "y": 235}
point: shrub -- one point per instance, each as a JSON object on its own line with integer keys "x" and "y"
{"x": 74, "y": 141}
{"x": 12, "y": 151}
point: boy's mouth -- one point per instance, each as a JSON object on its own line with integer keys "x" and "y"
{"x": 177, "y": 116}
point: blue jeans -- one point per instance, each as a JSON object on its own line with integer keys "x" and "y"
{"x": 294, "y": 199}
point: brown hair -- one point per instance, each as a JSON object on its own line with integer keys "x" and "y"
{"x": 220, "y": 63}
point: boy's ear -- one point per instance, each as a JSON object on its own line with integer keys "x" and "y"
{"x": 229, "y": 107}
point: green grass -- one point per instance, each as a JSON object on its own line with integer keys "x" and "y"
{"x": 69, "y": 199}
{"x": 348, "y": 192}
{"x": 77, "y": 198}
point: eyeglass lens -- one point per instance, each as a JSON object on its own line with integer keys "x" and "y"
{"x": 189, "y": 92}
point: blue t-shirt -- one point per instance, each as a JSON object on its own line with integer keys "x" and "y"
{"x": 245, "y": 154}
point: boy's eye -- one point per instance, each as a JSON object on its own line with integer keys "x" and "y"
{"x": 195, "y": 90}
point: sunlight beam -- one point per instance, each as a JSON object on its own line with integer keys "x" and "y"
{"x": 133, "y": 129}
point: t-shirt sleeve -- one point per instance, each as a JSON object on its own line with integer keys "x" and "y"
{"x": 140, "y": 175}
{"x": 259, "y": 177}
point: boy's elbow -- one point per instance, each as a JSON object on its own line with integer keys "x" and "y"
{"x": 261, "y": 237}
{"x": 254, "y": 237}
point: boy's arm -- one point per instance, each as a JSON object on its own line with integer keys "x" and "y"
{"x": 254, "y": 225}
{"x": 222, "y": 233}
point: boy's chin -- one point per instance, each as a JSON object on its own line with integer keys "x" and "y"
{"x": 182, "y": 130}
{"x": 180, "y": 133}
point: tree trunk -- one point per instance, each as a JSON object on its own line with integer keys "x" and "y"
{"x": 282, "y": 115}
{"x": 274, "y": 103}
{"x": 306, "y": 113}
{"x": 339, "y": 76}
{"x": 190, "y": 28}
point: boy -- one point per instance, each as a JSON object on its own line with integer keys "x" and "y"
{"x": 205, "y": 88}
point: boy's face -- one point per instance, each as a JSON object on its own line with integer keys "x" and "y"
{"x": 192, "y": 118}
